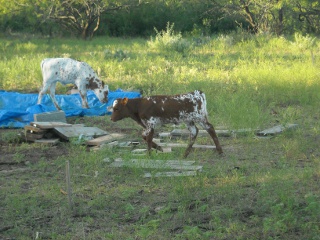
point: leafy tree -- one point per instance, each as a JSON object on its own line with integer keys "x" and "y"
{"x": 82, "y": 17}
{"x": 309, "y": 14}
{"x": 21, "y": 15}
{"x": 259, "y": 15}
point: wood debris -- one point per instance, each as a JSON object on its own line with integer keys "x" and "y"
{"x": 49, "y": 125}
{"x": 105, "y": 139}
{"x": 184, "y": 145}
{"x": 184, "y": 133}
{"x": 52, "y": 132}
{"x": 171, "y": 174}
{"x": 56, "y": 116}
{"x": 75, "y": 131}
{"x": 182, "y": 167}
{"x": 276, "y": 129}
{"x": 157, "y": 164}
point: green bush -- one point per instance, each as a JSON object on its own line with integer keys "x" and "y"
{"x": 167, "y": 40}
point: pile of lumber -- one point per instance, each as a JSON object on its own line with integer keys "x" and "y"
{"x": 42, "y": 132}
{"x": 53, "y": 132}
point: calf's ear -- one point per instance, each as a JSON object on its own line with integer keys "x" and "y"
{"x": 124, "y": 101}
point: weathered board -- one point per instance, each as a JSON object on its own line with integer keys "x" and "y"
{"x": 32, "y": 136}
{"x": 75, "y": 131}
{"x": 186, "y": 132}
{"x": 184, "y": 145}
{"x": 32, "y": 129}
{"x": 139, "y": 151}
{"x": 167, "y": 162}
{"x": 164, "y": 135}
{"x": 47, "y": 141}
{"x": 105, "y": 139}
{"x": 171, "y": 174}
{"x": 152, "y": 164}
{"x": 56, "y": 116}
{"x": 276, "y": 129}
{"x": 221, "y": 133}
{"x": 49, "y": 125}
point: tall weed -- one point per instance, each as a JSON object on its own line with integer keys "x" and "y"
{"x": 167, "y": 40}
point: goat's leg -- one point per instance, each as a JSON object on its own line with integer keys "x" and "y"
{"x": 53, "y": 95}
{"x": 193, "y": 135}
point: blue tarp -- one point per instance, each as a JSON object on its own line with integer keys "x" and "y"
{"x": 17, "y": 109}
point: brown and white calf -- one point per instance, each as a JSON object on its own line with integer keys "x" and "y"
{"x": 67, "y": 70}
{"x": 189, "y": 108}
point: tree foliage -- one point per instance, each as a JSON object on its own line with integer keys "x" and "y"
{"x": 81, "y": 16}
{"x": 84, "y": 18}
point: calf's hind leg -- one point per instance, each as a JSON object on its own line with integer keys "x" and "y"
{"x": 52, "y": 91}
{"x": 42, "y": 92}
{"x": 210, "y": 129}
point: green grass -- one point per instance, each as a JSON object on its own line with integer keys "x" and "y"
{"x": 260, "y": 189}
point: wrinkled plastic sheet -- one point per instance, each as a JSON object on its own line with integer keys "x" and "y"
{"x": 17, "y": 109}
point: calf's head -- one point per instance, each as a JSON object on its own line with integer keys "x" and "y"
{"x": 100, "y": 89}
{"x": 119, "y": 109}
{"x": 102, "y": 93}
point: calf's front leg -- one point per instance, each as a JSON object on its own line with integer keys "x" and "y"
{"x": 84, "y": 102}
{"x": 147, "y": 135}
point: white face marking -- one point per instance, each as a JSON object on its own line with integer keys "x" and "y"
{"x": 115, "y": 102}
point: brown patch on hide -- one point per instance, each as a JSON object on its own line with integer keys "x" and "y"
{"x": 93, "y": 83}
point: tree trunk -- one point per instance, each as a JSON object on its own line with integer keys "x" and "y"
{"x": 280, "y": 24}
{"x": 84, "y": 33}
{"x": 249, "y": 16}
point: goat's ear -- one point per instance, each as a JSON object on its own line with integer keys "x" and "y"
{"x": 124, "y": 101}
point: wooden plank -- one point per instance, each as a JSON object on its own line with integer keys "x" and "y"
{"x": 75, "y": 131}
{"x": 164, "y": 135}
{"x": 32, "y": 129}
{"x": 47, "y": 141}
{"x": 154, "y": 165}
{"x": 167, "y": 162}
{"x": 185, "y": 133}
{"x": 157, "y": 140}
{"x": 184, "y": 145}
{"x": 166, "y": 150}
{"x": 171, "y": 174}
{"x": 56, "y": 116}
{"x": 49, "y": 125}
{"x": 223, "y": 133}
{"x": 105, "y": 139}
{"x": 139, "y": 151}
{"x": 32, "y": 136}
{"x": 276, "y": 129}
{"x": 128, "y": 144}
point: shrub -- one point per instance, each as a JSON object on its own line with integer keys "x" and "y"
{"x": 167, "y": 40}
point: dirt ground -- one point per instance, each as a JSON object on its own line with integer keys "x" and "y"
{"x": 11, "y": 158}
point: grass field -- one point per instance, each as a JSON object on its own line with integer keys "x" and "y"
{"x": 259, "y": 189}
